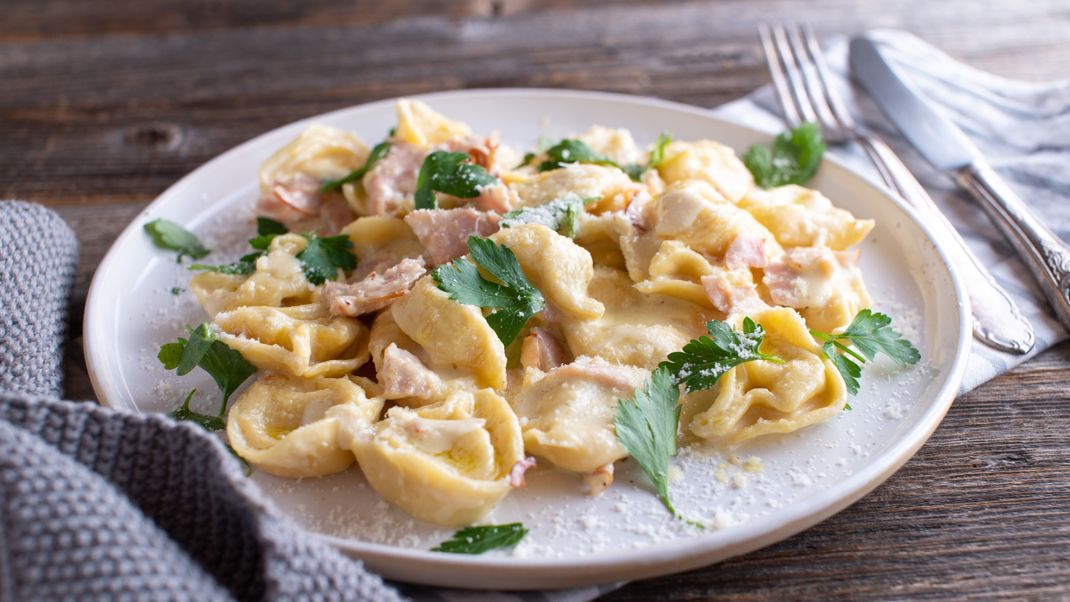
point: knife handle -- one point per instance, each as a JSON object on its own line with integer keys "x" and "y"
{"x": 1046, "y": 256}
{"x": 997, "y": 321}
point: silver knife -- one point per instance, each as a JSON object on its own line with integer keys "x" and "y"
{"x": 944, "y": 145}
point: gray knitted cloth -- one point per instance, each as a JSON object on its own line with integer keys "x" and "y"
{"x": 97, "y": 504}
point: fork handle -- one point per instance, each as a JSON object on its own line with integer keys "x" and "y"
{"x": 1046, "y": 256}
{"x": 997, "y": 321}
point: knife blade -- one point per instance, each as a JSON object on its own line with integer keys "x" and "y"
{"x": 944, "y": 145}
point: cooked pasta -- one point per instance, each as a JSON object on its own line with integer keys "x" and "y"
{"x": 507, "y": 306}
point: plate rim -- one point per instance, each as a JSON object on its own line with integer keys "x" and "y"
{"x": 655, "y": 559}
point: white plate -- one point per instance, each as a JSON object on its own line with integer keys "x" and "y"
{"x": 575, "y": 540}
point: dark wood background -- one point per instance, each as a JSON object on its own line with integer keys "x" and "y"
{"x": 104, "y": 104}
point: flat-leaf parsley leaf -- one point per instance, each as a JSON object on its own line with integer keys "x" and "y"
{"x": 646, "y": 426}
{"x": 226, "y": 366}
{"x": 169, "y": 235}
{"x": 572, "y": 150}
{"x": 476, "y": 540}
{"x": 449, "y": 173}
{"x": 211, "y": 423}
{"x": 324, "y": 256}
{"x": 794, "y": 158}
{"x": 378, "y": 152}
{"x": 703, "y": 360}
{"x": 870, "y": 333}
{"x": 515, "y": 299}
{"x": 266, "y": 231}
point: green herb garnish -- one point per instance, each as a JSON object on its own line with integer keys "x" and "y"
{"x": 211, "y": 423}
{"x": 378, "y": 152}
{"x": 323, "y": 257}
{"x": 703, "y": 360}
{"x": 794, "y": 158}
{"x": 657, "y": 154}
{"x": 476, "y": 540}
{"x": 203, "y": 349}
{"x": 561, "y": 215}
{"x": 528, "y": 158}
{"x": 266, "y": 231}
{"x": 572, "y": 150}
{"x": 870, "y": 333}
{"x": 515, "y": 299}
{"x": 243, "y": 267}
{"x": 177, "y": 290}
{"x": 169, "y": 235}
{"x": 646, "y": 426}
{"x": 449, "y": 173}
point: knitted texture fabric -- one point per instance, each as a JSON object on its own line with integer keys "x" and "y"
{"x": 97, "y": 504}
{"x": 38, "y": 252}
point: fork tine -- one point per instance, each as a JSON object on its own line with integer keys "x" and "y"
{"x": 793, "y": 73}
{"x": 811, "y": 83}
{"x": 839, "y": 110}
{"x": 780, "y": 84}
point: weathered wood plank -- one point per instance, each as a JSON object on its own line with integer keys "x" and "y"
{"x": 118, "y": 113}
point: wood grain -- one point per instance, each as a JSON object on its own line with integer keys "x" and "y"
{"x": 105, "y": 104}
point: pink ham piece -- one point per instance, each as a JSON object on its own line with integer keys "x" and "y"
{"x": 498, "y": 198}
{"x": 444, "y": 232}
{"x": 516, "y": 473}
{"x": 806, "y": 276}
{"x": 746, "y": 251}
{"x": 541, "y": 350}
{"x": 335, "y": 214}
{"x": 300, "y": 206}
{"x": 291, "y": 201}
{"x": 732, "y": 291}
{"x": 402, "y": 374}
{"x": 375, "y": 291}
{"x": 392, "y": 181}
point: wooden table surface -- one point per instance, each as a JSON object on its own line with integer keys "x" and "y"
{"x": 104, "y": 104}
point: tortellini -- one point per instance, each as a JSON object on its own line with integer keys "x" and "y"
{"x": 289, "y": 426}
{"x": 278, "y": 281}
{"x": 402, "y": 370}
{"x": 381, "y": 241}
{"x": 319, "y": 153}
{"x": 452, "y": 334}
{"x": 693, "y": 213}
{"x": 824, "y": 285}
{"x": 447, "y": 463}
{"x": 800, "y": 217}
{"x": 608, "y": 188}
{"x": 636, "y": 329}
{"x": 614, "y": 143}
{"x": 568, "y": 413}
{"x": 443, "y": 418}
{"x": 558, "y": 267}
{"x": 419, "y": 124}
{"x": 302, "y": 340}
{"x": 676, "y": 270}
{"x": 710, "y": 162}
{"x": 763, "y": 397}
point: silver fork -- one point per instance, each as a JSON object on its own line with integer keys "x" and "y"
{"x": 801, "y": 78}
